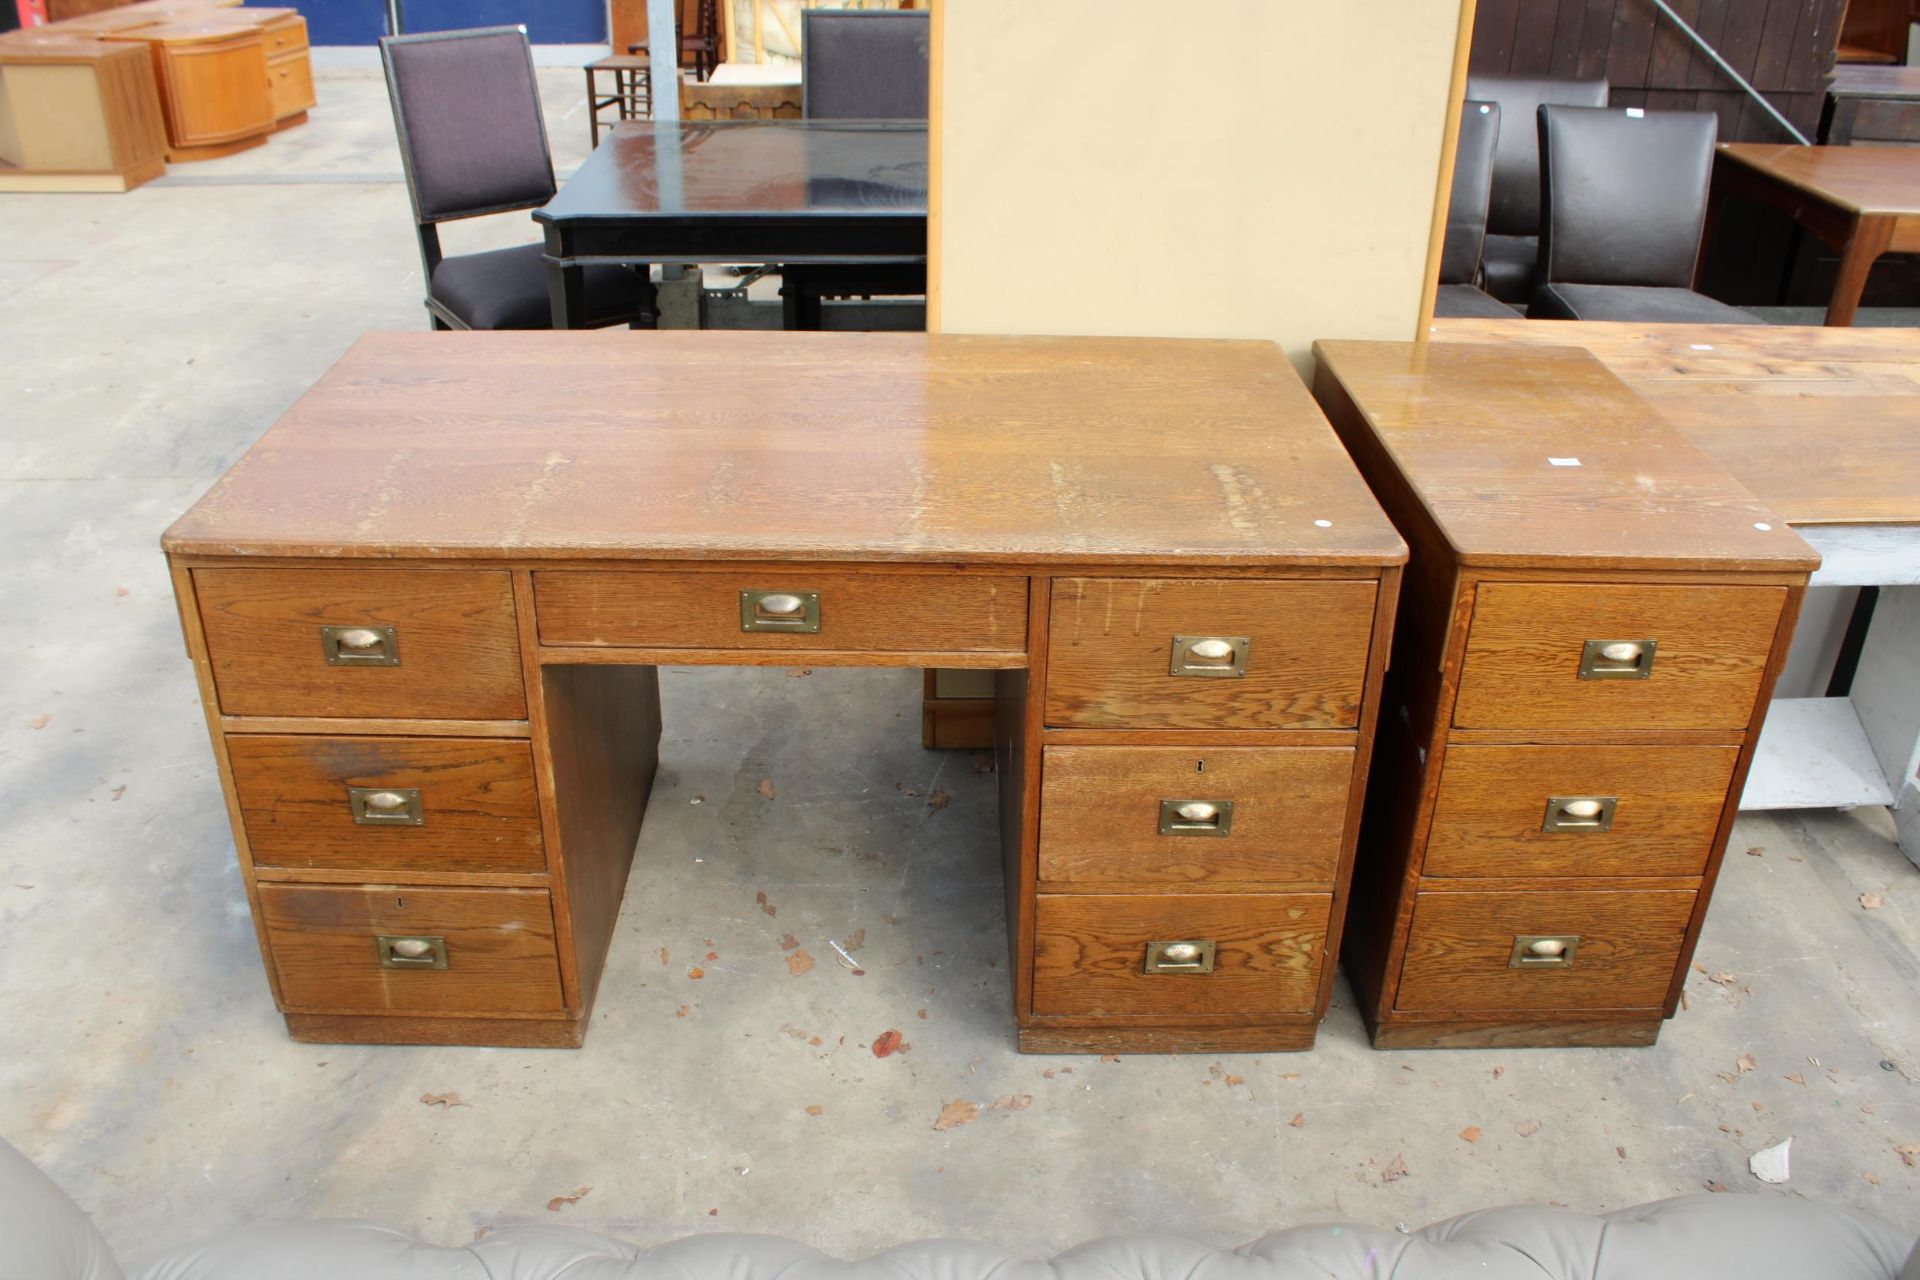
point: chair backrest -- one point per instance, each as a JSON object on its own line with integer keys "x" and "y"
{"x": 1624, "y": 194}
{"x": 864, "y": 65}
{"x": 1515, "y": 207}
{"x": 1472, "y": 188}
{"x": 472, "y": 136}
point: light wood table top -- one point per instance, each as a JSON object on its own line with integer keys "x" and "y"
{"x": 800, "y": 446}
{"x": 1870, "y": 180}
{"x": 1823, "y": 425}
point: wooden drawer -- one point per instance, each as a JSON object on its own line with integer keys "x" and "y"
{"x": 1112, "y": 644}
{"x": 285, "y": 35}
{"x": 475, "y": 807}
{"x": 1090, "y": 953}
{"x": 1660, "y": 810}
{"x": 1281, "y": 813}
{"x": 856, "y": 612}
{"x": 454, "y": 633}
{"x": 290, "y": 82}
{"x": 1525, "y": 655}
{"x": 1460, "y": 950}
{"x": 497, "y": 943}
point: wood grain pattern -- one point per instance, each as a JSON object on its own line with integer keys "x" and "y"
{"x": 1858, "y": 179}
{"x": 1477, "y": 427}
{"x": 1088, "y": 953}
{"x": 685, "y": 610}
{"x": 1112, "y": 640}
{"x": 477, "y": 802}
{"x": 1523, "y": 656}
{"x": 500, "y": 952}
{"x": 1100, "y": 825}
{"x": 1612, "y": 1032}
{"x": 1817, "y": 422}
{"x": 1492, "y": 804}
{"x": 1459, "y": 945}
{"x": 459, "y": 653}
{"x": 505, "y": 1033}
{"x": 213, "y": 81}
{"x": 939, "y": 449}
{"x": 1278, "y": 1037}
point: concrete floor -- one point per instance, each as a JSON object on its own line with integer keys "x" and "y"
{"x": 148, "y": 338}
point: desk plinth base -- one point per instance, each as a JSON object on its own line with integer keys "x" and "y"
{"x": 501, "y": 1033}
{"x": 1284, "y": 1038}
{"x": 1518, "y": 1034}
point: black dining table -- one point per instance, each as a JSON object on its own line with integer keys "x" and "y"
{"x": 747, "y": 191}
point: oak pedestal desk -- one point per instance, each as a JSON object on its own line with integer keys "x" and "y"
{"x": 427, "y": 609}
{"x": 1593, "y": 619}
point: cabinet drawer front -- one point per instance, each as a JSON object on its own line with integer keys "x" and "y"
{"x": 473, "y": 805}
{"x": 285, "y": 35}
{"x": 853, "y": 612}
{"x": 1528, "y": 645}
{"x": 1279, "y": 813}
{"x": 1517, "y": 811}
{"x": 290, "y": 82}
{"x": 1112, "y": 644}
{"x": 1460, "y": 950}
{"x": 497, "y": 945}
{"x": 452, "y": 631}
{"x": 1090, "y": 953}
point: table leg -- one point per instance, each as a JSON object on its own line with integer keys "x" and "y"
{"x": 1870, "y": 238}
{"x": 1886, "y": 694}
{"x": 567, "y": 295}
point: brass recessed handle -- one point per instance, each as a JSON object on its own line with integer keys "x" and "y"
{"x": 411, "y": 952}
{"x": 1216, "y": 656}
{"x": 795, "y": 611}
{"x": 1579, "y": 813}
{"x": 386, "y": 806}
{"x": 1185, "y": 956}
{"x": 1617, "y": 659}
{"x": 1543, "y": 951}
{"x": 1196, "y": 817}
{"x": 360, "y": 646}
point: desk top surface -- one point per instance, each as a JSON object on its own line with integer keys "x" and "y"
{"x": 616, "y": 445}
{"x": 749, "y": 169}
{"x": 1855, "y": 81}
{"x": 1525, "y": 456}
{"x": 1823, "y": 425}
{"x": 1863, "y": 179}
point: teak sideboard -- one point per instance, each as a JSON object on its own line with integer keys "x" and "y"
{"x": 1593, "y": 619}
{"x": 428, "y": 607}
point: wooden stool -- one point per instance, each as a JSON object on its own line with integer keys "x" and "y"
{"x": 631, "y": 91}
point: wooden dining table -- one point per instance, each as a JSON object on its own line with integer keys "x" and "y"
{"x": 1862, "y": 201}
{"x": 738, "y": 191}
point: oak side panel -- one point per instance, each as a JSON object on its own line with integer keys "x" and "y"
{"x": 1020, "y": 699}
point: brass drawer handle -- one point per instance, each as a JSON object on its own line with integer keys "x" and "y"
{"x": 1215, "y": 656}
{"x": 1544, "y": 951}
{"x": 1617, "y": 659}
{"x": 795, "y": 611}
{"x": 1196, "y": 817}
{"x": 360, "y": 646}
{"x": 1579, "y": 813}
{"x": 411, "y": 952}
{"x": 1188, "y": 956}
{"x": 386, "y": 806}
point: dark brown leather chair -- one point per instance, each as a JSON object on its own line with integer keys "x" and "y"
{"x": 1509, "y": 259}
{"x": 473, "y": 141}
{"x": 1623, "y": 198}
{"x": 1460, "y": 293}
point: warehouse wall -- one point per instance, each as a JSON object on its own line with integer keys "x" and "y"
{"x": 1241, "y": 168}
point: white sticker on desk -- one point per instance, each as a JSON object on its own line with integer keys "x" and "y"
{"x": 1563, "y": 462}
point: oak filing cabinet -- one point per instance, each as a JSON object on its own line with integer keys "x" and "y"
{"x": 1592, "y": 621}
{"x": 427, "y": 609}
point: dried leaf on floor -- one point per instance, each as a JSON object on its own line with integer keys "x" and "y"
{"x": 1728, "y": 1076}
{"x": 788, "y": 942}
{"x": 904, "y": 789}
{"x": 1716, "y": 1187}
{"x": 1290, "y": 1075}
{"x": 1723, "y": 979}
{"x": 558, "y": 1202}
{"x": 922, "y": 1015}
{"x": 1746, "y": 1063}
{"x": 1794, "y": 857}
{"x": 448, "y": 1100}
{"x": 766, "y": 788}
{"x": 799, "y": 962}
{"x": 983, "y": 762}
{"x": 1234, "y": 1080}
{"x": 663, "y": 955}
{"x": 696, "y": 973}
{"x": 1621, "y": 1152}
{"x": 889, "y": 1043}
{"x": 1756, "y": 851}
{"x": 713, "y": 955}
{"x": 40, "y": 722}
{"x": 1872, "y": 901}
{"x": 1395, "y": 1171}
{"x": 787, "y": 1028}
{"x": 1872, "y": 1178}
{"x": 1527, "y": 1128}
{"x": 766, "y": 903}
{"x": 937, "y": 800}
{"x": 955, "y": 1114}
{"x": 1909, "y": 1154}
{"x": 1758, "y": 1106}
{"x": 1216, "y": 1071}
{"x": 1498, "y": 1072}
{"x": 1470, "y": 1134}
{"x": 1012, "y": 1102}
{"x": 797, "y": 672}
{"x": 816, "y": 1110}
{"x": 1299, "y": 1120}
{"x": 1797, "y": 1078}
{"x": 683, "y": 1011}
{"x": 1109, "y": 1057}
{"x": 855, "y": 940}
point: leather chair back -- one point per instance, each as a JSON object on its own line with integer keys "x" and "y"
{"x": 472, "y": 136}
{"x": 864, "y": 65}
{"x": 1624, "y": 194}
{"x": 1472, "y": 189}
{"x": 1514, "y": 209}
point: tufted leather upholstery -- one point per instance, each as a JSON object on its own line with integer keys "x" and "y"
{"x": 45, "y": 1236}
